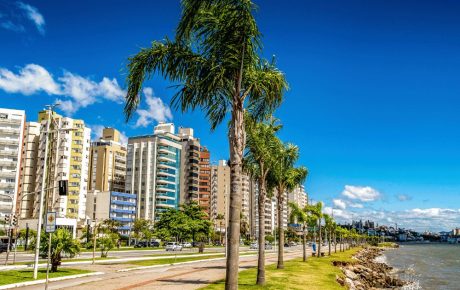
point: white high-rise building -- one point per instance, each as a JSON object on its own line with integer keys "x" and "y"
{"x": 153, "y": 171}
{"x": 68, "y": 159}
{"x": 11, "y": 135}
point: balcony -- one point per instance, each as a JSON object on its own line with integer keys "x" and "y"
{"x": 7, "y": 163}
{"x": 166, "y": 151}
{"x": 166, "y": 197}
{"x": 166, "y": 166}
{"x": 7, "y": 185}
{"x": 7, "y": 174}
{"x": 166, "y": 159}
{"x": 160, "y": 188}
{"x": 164, "y": 205}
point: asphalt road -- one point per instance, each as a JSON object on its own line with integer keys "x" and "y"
{"x": 22, "y": 257}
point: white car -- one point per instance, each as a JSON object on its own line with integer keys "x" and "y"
{"x": 173, "y": 246}
{"x": 186, "y": 245}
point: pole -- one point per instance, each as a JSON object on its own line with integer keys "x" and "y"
{"x": 15, "y": 243}
{"x": 27, "y": 237}
{"x": 42, "y": 195}
{"x": 9, "y": 244}
{"x": 94, "y": 241}
{"x": 48, "y": 262}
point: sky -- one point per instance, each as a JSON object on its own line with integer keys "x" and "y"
{"x": 373, "y": 100}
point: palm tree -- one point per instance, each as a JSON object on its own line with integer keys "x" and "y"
{"x": 328, "y": 222}
{"x": 317, "y": 212}
{"x": 261, "y": 144}
{"x": 301, "y": 215}
{"x": 220, "y": 217}
{"x": 215, "y": 64}
{"x": 285, "y": 177}
{"x": 62, "y": 242}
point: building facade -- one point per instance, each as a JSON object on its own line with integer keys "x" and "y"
{"x": 12, "y": 123}
{"x": 220, "y": 192}
{"x": 117, "y": 206}
{"x": 153, "y": 171}
{"x": 190, "y": 166}
{"x": 204, "y": 186}
{"x": 25, "y": 202}
{"x": 107, "y": 167}
{"x": 67, "y": 158}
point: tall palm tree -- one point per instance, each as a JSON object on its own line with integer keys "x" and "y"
{"x": 261, "y": 144}
{"x": 317, "y": 212}
{"x": 214, "y": 61}
{"x": 220, "y": 217}
{"x": 328, "y": 222}
{"x": 303, "y": 217}
{"x": 285, "y": 177}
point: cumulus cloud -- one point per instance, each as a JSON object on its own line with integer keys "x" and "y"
{"x": 72, "y": 90}
{"x": 403, "y": 197}
{"x": 362, "y": 193}
{"x": 96, "y": 131}
{"x": 34, "y": 15}
{"x": 30, "y": 79}
{"x": 123, "y": 138}
{"x": 157, "y": 110}
{"x": 338, "y": 203}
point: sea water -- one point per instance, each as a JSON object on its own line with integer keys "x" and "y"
{"x": 427, "y": 266}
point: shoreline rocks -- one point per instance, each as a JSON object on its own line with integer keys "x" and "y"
{"x": 366, "y": 273}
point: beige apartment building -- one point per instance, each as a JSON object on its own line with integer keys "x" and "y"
{"x": 220, "y": 190}
{"x": 107, "y": 166}
{"x": 29, "y": 160}
{"x": 189, "y": 166}
{"x": 67, "y": 158}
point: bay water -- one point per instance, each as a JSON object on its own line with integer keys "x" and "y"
{"x": 428, "y": 265}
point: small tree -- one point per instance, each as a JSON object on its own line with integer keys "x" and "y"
{"x": 62, "y": 242}
{"x": 106, "y": 242}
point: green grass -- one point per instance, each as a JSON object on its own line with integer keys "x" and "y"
{"x": 315, "y": 274}
{"x": 388, "y": 245}
{"x": 16, "y": 276}
{"x": 172, "y": 260}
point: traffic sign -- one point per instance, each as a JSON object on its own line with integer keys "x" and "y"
{"x": 50, "y": 226}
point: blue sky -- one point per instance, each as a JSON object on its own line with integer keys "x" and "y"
{"x": 373, "y": 100}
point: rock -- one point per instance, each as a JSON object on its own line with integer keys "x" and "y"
{"x": 340, "y": 280}
{"x": 350, "y": 283}
{"x": 350, "y": 274}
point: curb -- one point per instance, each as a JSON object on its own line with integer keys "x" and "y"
{"x": 42, "y": 281}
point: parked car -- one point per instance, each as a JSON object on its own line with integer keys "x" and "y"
{"x": 186, "y": 245}
{"x": 141, "y": 244}
{"x": 3, "y": 247}
{"x": 268, "y": 246}
{"x": 155, "y": 244}
{"x": 173, "y": 246}
{"x": 292, "y": 244}
{"x": 253, "y": 246}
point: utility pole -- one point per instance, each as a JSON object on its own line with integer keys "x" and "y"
{"x": 42, "y": 192}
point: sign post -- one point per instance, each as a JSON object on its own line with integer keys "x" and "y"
{"x": 50, "y": 227}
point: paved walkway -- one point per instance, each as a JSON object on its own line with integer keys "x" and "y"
{"x": 183, "y": 277}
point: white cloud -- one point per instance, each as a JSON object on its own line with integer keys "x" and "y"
{"x": 355, "y": 205}
{"x": 362, "y": 193}
{"x": 157, "y": 110}
{"x": 74, "y": 91}
{"x": 34, "y": 15}
{"x": 96, "y": 131}
{"x": 30, "y": 79}
{"x": 339, "y": 203}
{"x": 123, "y": 138}
{"x": 403, "y": 197}
{"x": 7, "y": 24}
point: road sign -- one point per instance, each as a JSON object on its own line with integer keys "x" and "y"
{"x": 50, "y": 226}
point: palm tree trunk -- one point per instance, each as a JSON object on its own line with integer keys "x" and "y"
{"x": 261, "y": 258}
{"x": 330, "y": 241}
{"x": 319, "y": 238}
{"x": 335, "y": 242}
{"x": 237, "y": 141}
{"x": 304, "y": 242}
{"x": 280, "y": 230}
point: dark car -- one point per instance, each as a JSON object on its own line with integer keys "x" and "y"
{"x": 141, "y": 244}
{"x": 154, "y": 244}
{"x": 3, "y": 247}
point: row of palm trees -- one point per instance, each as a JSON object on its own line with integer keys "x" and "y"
{"x": 214, "y": 61}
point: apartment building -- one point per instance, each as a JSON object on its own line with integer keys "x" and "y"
{"x": 220, "y": 192}
{"x": 12, "y": 124}
{"x": 190, "y": 166}
{"x": 29, "y": 159}
{"x": 107, "y": 167}
{"x": 67, "y": 158}
{"x": 153, "y": 171}
{"x": 117, "y": 206}
{"x": 204, "y": 186}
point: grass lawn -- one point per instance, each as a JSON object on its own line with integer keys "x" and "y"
{"x": 171, "y": 260}
{"x": 316, "y": 273}
{"x": 16, "y": 276}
